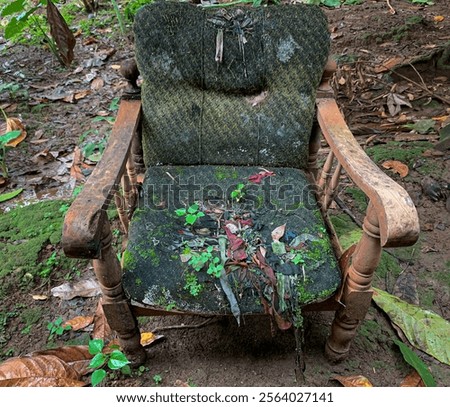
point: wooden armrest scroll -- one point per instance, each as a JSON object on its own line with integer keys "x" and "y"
{"x": 83, "y": 222}
{"x": 397, "y": 215}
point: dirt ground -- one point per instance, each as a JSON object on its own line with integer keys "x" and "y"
{"x": 365, "y": 40}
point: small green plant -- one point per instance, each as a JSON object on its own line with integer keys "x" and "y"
{"x": 238, "y": 193}
{"x": 191, "y": 214}
{"x": 57, "y": 328}
{"x": 299, "y": 258}
{"x": 192, "y": 284}
{"x": 157, "y": 379}
{"x": 115, "y": 360}
{"x": 49, "y": 264}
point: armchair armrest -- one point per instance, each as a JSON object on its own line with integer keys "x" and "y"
{"x": 82, "y": 230}
{"x": 397, "y": 215}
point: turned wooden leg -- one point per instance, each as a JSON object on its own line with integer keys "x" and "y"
{"x": 357, "y": 292}
{"x": 116, "y": 307}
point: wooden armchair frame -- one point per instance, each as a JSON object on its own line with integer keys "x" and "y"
{"x": 391, "y": 218}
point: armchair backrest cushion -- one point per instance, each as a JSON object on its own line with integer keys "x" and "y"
{"x": 229, "y": 86}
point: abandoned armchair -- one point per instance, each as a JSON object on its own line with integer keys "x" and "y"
{"x": 232, "y": 215}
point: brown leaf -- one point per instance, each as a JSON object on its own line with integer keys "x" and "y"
{"x": 101, "y": 330}
{"x": 79, "y": 322}
{"x": 83, "y": 288}
{"x": 396, "y": 166}
{"x": 39, "y": 370}
{"x": 61, "y": 33}
{"x": 412, "y": 380}
{"x": 353, "y": 381}
{"x": 13, "y": 123}
{"x": 97, "y": 83}
{"x": 78, "y": 357}
{"x": 41, "y": 382}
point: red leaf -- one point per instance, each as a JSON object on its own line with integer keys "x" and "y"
{"x": 267, "y": 270}
{"x": 257, "y": 178}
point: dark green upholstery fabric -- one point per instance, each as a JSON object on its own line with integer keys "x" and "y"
{"x": 255, "y": 107}
{"x": 263, "y": 275}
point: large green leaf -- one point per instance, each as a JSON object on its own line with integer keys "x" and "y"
{"x": 425, "y": 330}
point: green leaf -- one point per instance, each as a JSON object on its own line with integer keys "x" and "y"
{"x": 97, "y": 361}
{"x": 180, "y": 212}
{"x": 424, "y": 329}
{"x": 117, "y": 360}
{"x": 428, "y": 2}
{"x": 10, "y": 195}
{"x": 7, "y": 137}
{"x": 97, "y": 377}
{"x": 414, "y": 360}
{"x": 193, "y": 208}
{"x": 12, "y": 8}
{"x": 190, "y": 219}
{"x": 331, "y": 3}
{"x": 422, "y": 126}
{"x": 199, "y": 214}
{"x": 96, "y": 346}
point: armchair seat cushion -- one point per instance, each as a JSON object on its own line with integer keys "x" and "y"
{"x": 224, "y": 239}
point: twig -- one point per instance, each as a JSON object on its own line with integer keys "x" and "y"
{"x": 425, "y": 88}
{"x": 418, "y": 74}
{"x": 391, "y": 9}
{"x": 347, "y": 210}
{"x": 193, "y": 326}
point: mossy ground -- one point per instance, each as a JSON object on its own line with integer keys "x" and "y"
{"x": 30, "y": 244}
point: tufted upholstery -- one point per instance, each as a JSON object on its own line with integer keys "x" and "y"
{"x": 255, "y": 107}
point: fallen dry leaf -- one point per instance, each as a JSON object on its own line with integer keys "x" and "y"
{"x": 147, "y": 338}
{"x": 101, "y": 330}
{"x": 79, "y": 322}
{"x": 353, "y": 381}
{"x": 12, "y": 124}
{"x": 396, "y": 166}
{"x": 38, "y": 371}
{"x": 83, "y": 288}
{"x": 40, "y": 297}
{"x": 97, "y": 83}
{"x": 412, "y": 380}
{"x": 439, "y": 19}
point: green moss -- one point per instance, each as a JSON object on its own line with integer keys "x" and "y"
{"x": 359, "y": 197}
{"x": 128, "y": 260}
{"x": 225, "y": 173}
{"x": 395, "y": 150}
{"x": 388, "y": 266}
{"x": 25, "y": 232}
{"x": 348, "y": 233}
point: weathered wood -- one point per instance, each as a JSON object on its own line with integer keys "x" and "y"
{"x": 117, "y": 310}
{"x": 83, "y": 222}
{"x": 357, "y": 292}
{"x": 399, "y": 223}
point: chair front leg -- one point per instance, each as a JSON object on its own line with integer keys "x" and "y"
{"x": 357, "y": 292}
{"x": 117, "y": 309}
